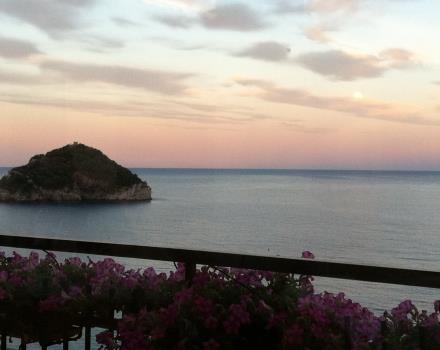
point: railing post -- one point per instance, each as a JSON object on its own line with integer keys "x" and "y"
{"x": 347, "y": 333}
{"x": 422, "y": 337}
{"x": 383, "y": 332}
{"x": 87, "y": 337}
{"x": 4, "y": 340}
{"x": 190, "y": 271}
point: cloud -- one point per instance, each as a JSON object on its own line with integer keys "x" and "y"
{"x": 176, "y": 21}
{"x": 20, "y": 78}
{"x": 298, "y": 126}
{"x": 319, "y": 32}
{"x": 183, "y": 4}
{"x": 152, "y": 80}
{"x": 15, "y": 48}
{"x": 232, "y": 17}
{"x": 267, "y": 51}
{"x": 175, "y": 110}
{"x": 283, "y": 7}
{"x": 360, "y": 108}
{"x": 100, "y": 44}
{"x": 399, "y": 57}
{"x": 51, "y": 16}
{"x": 235, "y": 16}
{"x": 327, "y": 6}
{"x": 316, "y": 6}
{"x": 123, "y": 22}
{"x": 330, "y": 16}
{"x": 340, "y": 65}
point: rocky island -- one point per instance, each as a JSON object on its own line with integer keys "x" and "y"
{"x": 74, "y": 172}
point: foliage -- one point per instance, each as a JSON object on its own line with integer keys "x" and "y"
{"x": 221, "y": 309}
{"x": 66, "y": 167}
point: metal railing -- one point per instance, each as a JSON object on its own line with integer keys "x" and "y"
{"x": 191, "y": 258}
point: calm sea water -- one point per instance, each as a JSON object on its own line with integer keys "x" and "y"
{"x": 379, "y": 218}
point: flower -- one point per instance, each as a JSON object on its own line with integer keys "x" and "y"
{"x": 106, "y": 338}
{"x": 237, "y": 316}
{"x": 211, "y": 344}
{"x": 51, "y": 303}
{"x": 3, "y": 294}
{"x": 293, "y": 336}
{"x": 234, "y": 308}
{"x": 437, "y": 306}
{"x": 307, "y": 255}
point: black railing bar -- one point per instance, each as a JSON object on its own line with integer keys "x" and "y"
{"x": 357, "y": 272}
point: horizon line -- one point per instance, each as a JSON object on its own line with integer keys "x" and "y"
{"x": 271, "y": 169}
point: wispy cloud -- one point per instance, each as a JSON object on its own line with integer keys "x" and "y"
{"x": 184, "y": 4}
{"x": 15, "y": 48}
{"x": 124, "y": 22}
{"x": 177, "y": 21}
{"x": 300, "y": 127}
{"x": 51, "y": 16}
{"x": 16, "y": 78}
{"x": 171, "y": 110}
{"x": 316, "y": 6}
{"x": 152, "y": 80}
{"x": 320, "y": 32}
{"x": 341, "y": 65}
{"x": 267, "y": 51}
{"x": 233, "y": 16}
{"x": 284, "y": 7}
{"x": 330, "y": 16}
{"x": 360, "y": 108}
{"x": 328, "y": 6}
{"x": 398, "y": 57}
{"x": 99, "y": 43}
{"x": 239, "y": 17}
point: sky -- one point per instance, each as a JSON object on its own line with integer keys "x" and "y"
{"x": 306, "y": 84}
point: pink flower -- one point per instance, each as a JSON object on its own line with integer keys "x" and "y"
{"x": 157, "y": 333}
{"x": 437, "y": 306}
{"x": 3, "y": 294}
{"x": 277, "y": 319}
{"x": 183, "y": 296}
{"x": 203, "y": 306}
{"x": 168, "y": 315}
{"x": 307, "y": 255}
{"x": 34, "y": 259}
{"x": 16, "y": 281}
{"x": 75, "y": 291}
{"x": 3, "y": 276}
{"x": 237, "y": 317}
{"x": 106, "y": 339}
{"x": 210, "y": 322}
{"x": 74, "y": 261}
{"x": 293, "y": 336}
{"x": 211, "y": 344}
{"x": 150, "y": 273}
{"x": 51, "y": 303}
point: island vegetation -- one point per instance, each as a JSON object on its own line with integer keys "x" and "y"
{"x": 72, "y": 173}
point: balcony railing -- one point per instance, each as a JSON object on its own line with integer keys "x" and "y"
{"x": 191, "y": 258}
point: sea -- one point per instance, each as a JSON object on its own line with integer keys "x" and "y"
{"x": 381, "y": 218}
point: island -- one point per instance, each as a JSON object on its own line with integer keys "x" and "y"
{"x": 75, "y": 172}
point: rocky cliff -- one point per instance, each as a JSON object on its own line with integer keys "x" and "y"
{"x": 74, "y": 172}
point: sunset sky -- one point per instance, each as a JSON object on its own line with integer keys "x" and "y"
{"x": 331, "y": 84}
